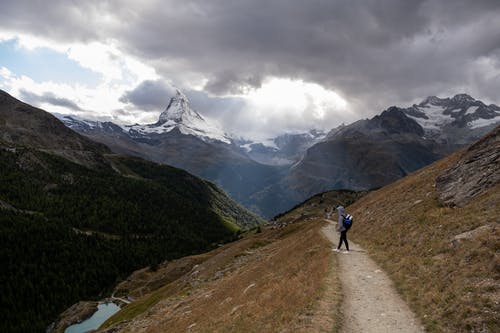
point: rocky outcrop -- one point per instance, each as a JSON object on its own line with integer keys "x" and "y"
{"x": 477, "y": 170}
{"x": 74, "y": 314}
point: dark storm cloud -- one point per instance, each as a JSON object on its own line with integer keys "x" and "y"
{"x": 49, "y": 98}
{"x": 374, "y": 52}
{"x": 149, "y": 95}
{"x": 231, "y": 82}
{"x": 60, "y": 19}
{"x": 370, "y": 50}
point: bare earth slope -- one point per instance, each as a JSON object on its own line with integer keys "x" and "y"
{"x": 371, "y": 303}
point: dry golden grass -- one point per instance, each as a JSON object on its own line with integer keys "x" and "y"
{"x": 267, "y": 282}
{"x": 144, "y": 281}
{"x": 452, "y": 285}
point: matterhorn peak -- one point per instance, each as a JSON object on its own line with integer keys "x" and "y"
{"x": 179, "y": 110}
{"x": 179, "y": 115}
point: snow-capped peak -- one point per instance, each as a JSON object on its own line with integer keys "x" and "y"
{"x": 457, "y": 99}
{"x": 179, "y": 110}
{"x": 180, "y": 115}
{"x": 461, "y": 98}
{"x": 432, "y": 100}
{"x": 459, "y": 111}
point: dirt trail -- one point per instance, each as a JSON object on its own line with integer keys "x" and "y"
{"x": 371, "y": 303}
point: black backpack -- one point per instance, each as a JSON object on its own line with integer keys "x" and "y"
{"x": 347, "y": 222}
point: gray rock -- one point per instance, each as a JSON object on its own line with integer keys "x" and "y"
{"x": 477, "y": 171}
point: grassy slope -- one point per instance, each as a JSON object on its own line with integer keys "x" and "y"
{"x": 453, "y": 286}
{"x": 268, "y": 282}
{"x": 283, "y": 269}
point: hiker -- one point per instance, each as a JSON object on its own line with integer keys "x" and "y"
{"x": 328, "y": 213}
{"x": 342, "y": 229}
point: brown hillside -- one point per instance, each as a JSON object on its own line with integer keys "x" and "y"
{"x": 267, "y": 282}
{"x": 444, "y": 261}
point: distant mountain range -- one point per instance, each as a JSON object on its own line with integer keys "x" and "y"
{"x": 284, "y": 150}
{"x": 270, "y": 177}
{"x": 185, "y": 139}
{"x": 374, "y": 152}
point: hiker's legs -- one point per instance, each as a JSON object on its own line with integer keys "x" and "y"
{"x": 343, "y": 238}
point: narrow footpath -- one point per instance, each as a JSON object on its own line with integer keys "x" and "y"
{"x": 370, "y": 303}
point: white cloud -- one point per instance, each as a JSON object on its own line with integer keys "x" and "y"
{"x": 107, "y": 60}
{"x": 295, "y": 97}
{"x": 283, "y": 104}
{"x": 118, "y": 72}
{"x": 5, "y": 73}
{"x": 102, "y": 57}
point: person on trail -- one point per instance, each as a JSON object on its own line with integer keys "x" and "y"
{"x": 342, "y": 229}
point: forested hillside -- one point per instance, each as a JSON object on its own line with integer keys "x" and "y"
{"x": 70, "y": 233}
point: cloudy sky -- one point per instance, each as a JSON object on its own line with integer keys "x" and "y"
{"x": 258, "y": 67}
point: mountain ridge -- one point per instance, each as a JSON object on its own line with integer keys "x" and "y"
{"x": 371, "y": 153}
{"x": 22, "y": 123}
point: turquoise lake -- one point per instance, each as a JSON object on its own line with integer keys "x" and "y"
{"x": 104, "y": 311}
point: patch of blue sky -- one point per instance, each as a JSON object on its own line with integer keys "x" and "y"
{"x": 44, "y": 64}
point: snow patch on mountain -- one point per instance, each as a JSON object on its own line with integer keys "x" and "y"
{"x": 85, "y": 126}
{"x": 483, "y": 122}
{"x": 247, "y": 147}
{"x": 282, "y": 150}
{"x": 433, "y": 117}
{"x": 270, "y": 143}
{"x": 471, "y": 109}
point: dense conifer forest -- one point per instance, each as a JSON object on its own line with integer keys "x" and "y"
{"x": 69, "y": 233}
